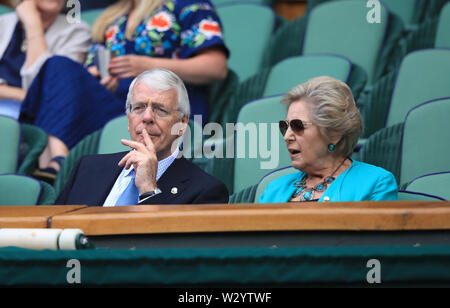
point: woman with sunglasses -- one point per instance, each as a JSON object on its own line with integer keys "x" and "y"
{"x": 321, "y": 129}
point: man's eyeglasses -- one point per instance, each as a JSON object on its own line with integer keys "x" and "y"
{"x": 296, "y": 125}
{"x": 157, "y": 109}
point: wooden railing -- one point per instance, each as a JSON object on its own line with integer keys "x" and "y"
{"x": 153, "y": 219}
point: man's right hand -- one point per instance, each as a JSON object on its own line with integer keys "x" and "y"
{"x": 143, "y": 159}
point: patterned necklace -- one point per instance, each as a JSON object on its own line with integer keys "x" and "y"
{"x": 307, "y": 193}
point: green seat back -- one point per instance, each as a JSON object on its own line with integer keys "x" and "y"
{"x": 426, "y": 136}
{"x": 403, "y": 8}
{"x": 271, "y": 177}
{"x": 32, "y": 143}
{"x": 443, "y": 30}
{"x": 423, "y": 76}
{"x": 296, "y": 70}
{"x": 113, "y": 131}
{"x": 247, "y": 30}
{"x": 414, "y": 196}
{"x": 259, "y": 146}
{"x": 90, "y": 16}
{"x": 436, "y": 184}
{"x": 9, "y": 140}
{"x": 19, "y": 190}
{"x": 5, "y": 9}
{"x": 341, "y": 27}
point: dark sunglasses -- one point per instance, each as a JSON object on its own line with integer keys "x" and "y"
{"x": 296, "y": 125}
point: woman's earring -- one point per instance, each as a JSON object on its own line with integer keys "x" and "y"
{"x": 331, "y": 147}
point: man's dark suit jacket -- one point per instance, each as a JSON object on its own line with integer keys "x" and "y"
{"x": 94, "y": 176}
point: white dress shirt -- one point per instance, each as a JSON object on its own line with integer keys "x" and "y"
{"x": 127, "y": 175}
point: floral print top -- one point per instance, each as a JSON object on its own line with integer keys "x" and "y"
{"x": 179, "y": 29}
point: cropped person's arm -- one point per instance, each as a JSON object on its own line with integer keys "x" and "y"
{"x": 206, "y": 67}
{"x": 72, "y": 41}
{"x": 34, "y": 31}
{"x": 13, "y": 93}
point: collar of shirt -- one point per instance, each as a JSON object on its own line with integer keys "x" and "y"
{"x": 127, "y": 175}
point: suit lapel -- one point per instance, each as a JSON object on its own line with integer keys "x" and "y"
{"x": 110, "y": 172}
{"x": 173, "y": 182}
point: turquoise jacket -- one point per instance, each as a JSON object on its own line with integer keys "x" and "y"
{"x": 360, "y": 182}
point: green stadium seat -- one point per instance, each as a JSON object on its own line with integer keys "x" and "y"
{"x": 257, "y": 133}
{"x": 404, "y": 195}
{"x": 111, "y": 134}
{"x": 404, "y": 9}
{"x": 431, "y": 31}
{"x": 247, "y": 30}
{"x": 417, "y": 146}
{"x": 90, "y": 16}
{"x": 383, "y": 149}
{"x": 10, "y": 141}
{"x": 341, "y": 27}
{"x": 423, "y": 76}
{"x": 436, "y": 184}
{"x": 295, "y": 70}
{"x": 5, "y": 9}
{"x": 426, "y": 146}
{"x": 443, "y": 29}
{"x": 32, "y": 144}
{"x": 19, "y": 190}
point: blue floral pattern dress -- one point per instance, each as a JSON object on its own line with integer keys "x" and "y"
{"x": 66, "y": 101}
{"x": 178, "y": 30}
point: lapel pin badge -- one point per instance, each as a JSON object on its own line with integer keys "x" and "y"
{"x": 174, "y": 190}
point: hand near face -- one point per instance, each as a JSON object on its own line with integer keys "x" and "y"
{"x": 28, "y": 13}
{"x": 143, "y": 159}
{"x": 127, "y": 66}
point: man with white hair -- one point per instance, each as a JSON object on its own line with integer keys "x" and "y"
{"x": 150, "y": 173}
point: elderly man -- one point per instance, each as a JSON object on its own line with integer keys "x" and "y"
{"x": 150, "y": 173}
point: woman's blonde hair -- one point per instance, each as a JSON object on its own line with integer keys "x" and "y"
{"x": 143, "y": 9}
{"x": 333, "y": 110}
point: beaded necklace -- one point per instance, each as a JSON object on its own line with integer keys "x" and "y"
{"x": 307, "y": 194}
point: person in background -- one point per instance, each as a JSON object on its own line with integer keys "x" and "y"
{"x": 184, "y": 36}
{"x": 33, "y": 33}
{"x": 6, "y": 3}
{"x": 153, "y": 172}
{"x": 321, "y": 129}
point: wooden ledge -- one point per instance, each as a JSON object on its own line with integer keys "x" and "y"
{"x": 345, "y": 216}
{"x": 31, "y": 216}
